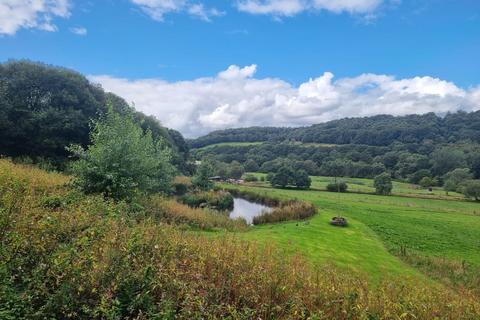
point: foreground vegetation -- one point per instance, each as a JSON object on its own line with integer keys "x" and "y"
{"x": 66, "y": 255}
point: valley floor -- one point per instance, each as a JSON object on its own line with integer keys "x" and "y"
{"x": 380, "y": 230}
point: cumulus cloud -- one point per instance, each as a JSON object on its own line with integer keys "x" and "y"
{"x": 31, "y": 14}
{"x": 80, "y": 31}
{"x": 235, "y": 98}
{"x": 157, "y": 9}
{"x": 293, "y": 7}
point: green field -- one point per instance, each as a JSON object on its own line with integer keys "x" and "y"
{"x": 232, "y": 144}
{"x": 362, "y": 185}
{"x": 378, "y": 227}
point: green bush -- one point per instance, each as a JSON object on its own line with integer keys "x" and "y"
{"x": 250, "y": 178}
{"x": 337, "y": 187}
{"x": 383, "y": 184}
{"x": 122, "y": 162}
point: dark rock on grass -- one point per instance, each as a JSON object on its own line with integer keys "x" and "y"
{"x": 338, "y": 221}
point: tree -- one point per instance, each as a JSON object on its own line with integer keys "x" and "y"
{"x": 383, "y": 184}
{"x": 454, "y": 179}
{"x": 302, "y": 180}
{"x": 283, "y": 177}
{"x": 201, "y": 179}
{"x": 122, "y": 161}
{"x": 251, "y": 166}
{"x": 339, "y": 186}
{"x": 235, "y": 170}
{"x": 417, "y": 176}
{"x": 446, "y": 159}
{"x": 427, "y": 182}
{"x": 471, "y": 189}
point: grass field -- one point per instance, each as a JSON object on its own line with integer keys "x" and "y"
{"x": 232, "y": 144}
{"x": 366, "y": 186}
{"x": 378, "y": 227}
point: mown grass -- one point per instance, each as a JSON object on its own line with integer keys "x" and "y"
{"x": 362, "y": 185}
{"x": 83, "y": 257}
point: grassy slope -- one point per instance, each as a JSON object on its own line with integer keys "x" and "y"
{"x": 430, "y": 227}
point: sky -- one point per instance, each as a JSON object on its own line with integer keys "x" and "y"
{"x": 203, "y": 65}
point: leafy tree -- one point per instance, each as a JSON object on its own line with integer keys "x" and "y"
{"x": 474, "y": 163}
{"x": 122, "y": 161}
{"x": 201, "y": 179}
{"x": 454, "y": 179}
{"x": 427, "y": 182}
{"x": 446, "y": 159}
{"x": 251, "y": 166}
{"x": 471, "y": 189}
{"x": 302, "y": 180}
{"x": 383, "y": 184}
{"x": 339, "y": 186}
{"x": 235, "y": 170}
{"x": 283, "y": 177}
{"x": 417, "y": 176}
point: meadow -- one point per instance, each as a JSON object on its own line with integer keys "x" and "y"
{"x": 395, "y": 235}
{"x": 363, "y": 185}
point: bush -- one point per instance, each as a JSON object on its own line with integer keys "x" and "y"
{"x": 122, "y": 162}
{"x": 383, "y": 184}
{"x": 337, "y": 187}
{"x": 181, "y": 185}
{"x": 201, "y": 179}
{"x": 250, "y": 178}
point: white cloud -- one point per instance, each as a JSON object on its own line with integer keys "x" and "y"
{"x": 293, "y": 7}
{"x": 157, "y": 9}
{"x": 235, "y": 98}
{"x": 31, "y": 14}
{"x": 81, "y": 31}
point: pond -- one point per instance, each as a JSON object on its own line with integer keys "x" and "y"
{"x": 248, "y": 210}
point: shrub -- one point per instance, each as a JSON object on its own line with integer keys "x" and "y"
{"x": 181, "y": 184}
{"x": 383, "y": 184}
{"x": 122, "y": 162}
{"x": 201, "y": 179}
{"x": 337, "y": 187}
{"x": 250, "y": 178}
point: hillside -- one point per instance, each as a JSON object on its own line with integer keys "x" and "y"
{"x": 381, "y": 130}
{"x": 44, "y": 109}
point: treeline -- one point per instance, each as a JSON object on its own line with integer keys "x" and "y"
{"x": 44, "y": 109}
{"x": 381, "y": 130}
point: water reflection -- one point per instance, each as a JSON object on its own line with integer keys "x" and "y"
{"x": 247, "y": 210}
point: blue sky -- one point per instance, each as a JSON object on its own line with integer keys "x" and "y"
{"x": 160, "y": 45}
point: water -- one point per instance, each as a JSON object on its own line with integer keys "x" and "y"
{"x": 247, "y": 210}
